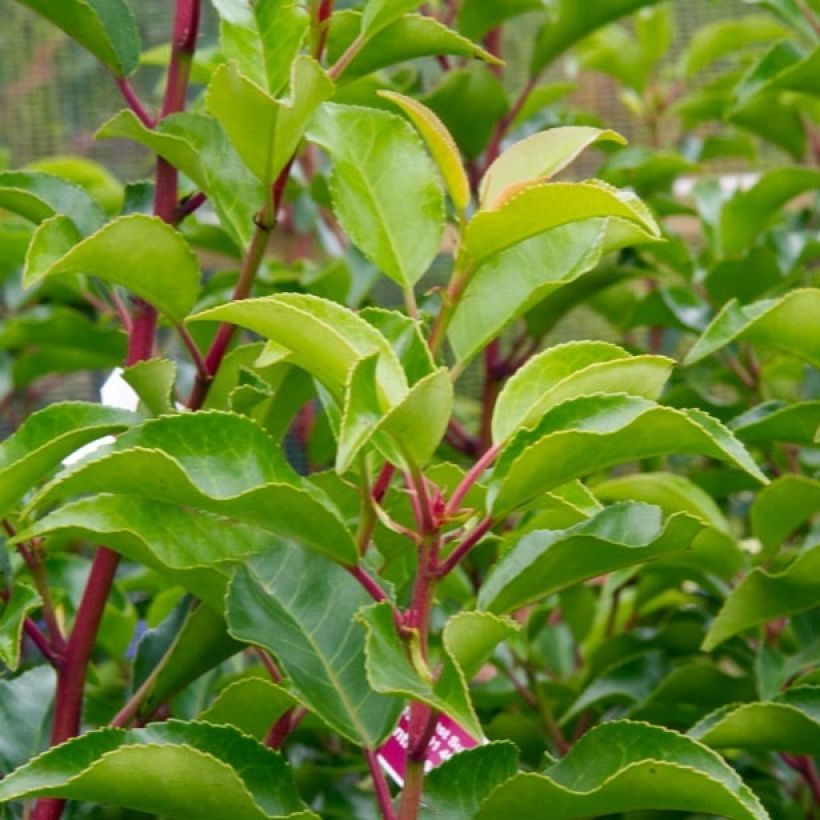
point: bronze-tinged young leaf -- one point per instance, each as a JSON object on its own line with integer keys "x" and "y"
{"x": 385, "y": 190}
{"x": 302, "y": 608}
{"x": 142, "y": 253}
{"x": 623, "y": 766}
{"x": 547, "y": 561}
{"x": 788, "y": 723}
{"x": 105, "y": 27}
{"x": 789, "y": 324}
{"x": 194, "y": 770}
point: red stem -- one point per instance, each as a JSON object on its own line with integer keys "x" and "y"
{"x": 380, "y": 786}
{"x": 368, "y": 583}
{"x": 455, "y": 557}
{"x": 454, "y": 504}
{"x": 134, "y": 102}
{"x": 41, "y": 642}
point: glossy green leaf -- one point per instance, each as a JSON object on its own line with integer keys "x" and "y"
{"x": 748, "y": 213}
{"x": 141, "y": 253}
{"x": 105, "y": 27}
{"x": 37, "y": 196}
{"x": 571, "y": 370}
{"x": 385, "y": 190}
{"x": 454, "y": 790}
{"x": 441, "y": 145}
{"x": 477, "y": 17}
{"x": 623, "y": 766}
{"x": 570, "y": 22}
{"x": 788, "y": 324}
{"x": 785, "y": 67}
{"x": 321, "y": 336}
{"x": 380, "y": 13}
{"x": 788, "y": 723}
{"x": 764, "y": 596}
{"x": 264, "y": 131}
{"x": 25, "y": 703}
{"x": 539, "y": 208}
{"x": 302, "y": 609}
{"x": 252, "y": 705}
{"x": 779, "y": 421}
{"x": 779, "y": 509}
{"x": 41, "y": 442}
{"x": 585, "y": 435}
{"x": 153, "y": 381}
{"x": 546, "y": 561}
{"x": 198, "y": 146}
{"x": 470, "y": 637}
{"x": 391, "y": 671}
{"x": 407, "y": 338}
{"x": 24, "y": 600}
{"x": 538, "y": 158}
{"x": 231, "y": 775}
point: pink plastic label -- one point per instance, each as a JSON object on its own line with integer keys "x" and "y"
{"x": 448, "y": 739}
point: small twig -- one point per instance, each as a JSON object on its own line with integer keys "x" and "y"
{"x": 454, "y": 504}
{"x": 134, "y": 102}
{"x": 458, "y": 554}
{"x": 193, "y": 349}
{"x": 380, "y": 786}
{"x": 369, "y": 584}
{"x": 269, "y": 664}
{"x": 189, "y": 205}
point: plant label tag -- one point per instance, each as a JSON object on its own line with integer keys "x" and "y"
{"x": 448, "y": 739}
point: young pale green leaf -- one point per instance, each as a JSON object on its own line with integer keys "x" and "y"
{"x": 440, "y": 144}
{"x": 38, "y": 196}
{"x": 584, "y": 435}
{"x": 45, "y": 438}
{"x": 263, "y": 38}
{"x": 105, "y": 27}
{"x": 788, "y": 723}
{"x": 302, "y": 608}
{"x": 379, "y": 14}
{"x": 24, "y": 600}
{"x": 252, "y": 705}
{"x": 536, "y": 159}
{"x": 391, "y": 671}
{"x": 571, "y": 370}
{"x": 141, "y": 253}
{"x": 546, "y": 561}
{"x": 623, "y": 766}
{"x": 361, "y": 412}
{"x": 779, "y": 509}
{"x": 779, "y": 421}
{"x": 764, "y": 596}
{"x": 789, "y": 324}
{"x": 323, "y": 337}
{"x": 25, "y": 703}
{"x": 385, "y": 190}
{"x": 406, "y": 337}
{"x": 198, "y": 146}
{"x": 231, "y": 774}
{"x": 748, "y": 213}
{"x": 784, "y": 67}
{"x": 539, "y": 208}
{"x": 455, "y": 789}
{"x": 471, "y": 636}
{"x": 153, "y": 381}
{"x": 410, "y": 37}
{"x": 265, "y": 131}
{"x": 571, "y": 22}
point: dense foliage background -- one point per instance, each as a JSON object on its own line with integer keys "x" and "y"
{"x": 476, "y": 350}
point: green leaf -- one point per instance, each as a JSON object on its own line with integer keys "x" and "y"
{"x": 572, "y": 22}
{"x": 622, "y": 766}
{"x": 546, "y": 561}
{"x": 538, "y": 158}
{"x": 231, "y": 775}
{"x": 263, "y": 38}
{"x": 385, "y": 190}
{"x": 302, "y": 608}
{"x": 264, "y": 131}
{"x": 45, "y": 438}
{"x": 252, "y": 705}
{"x": 788, "y": 324}
{"x": 391, "y": 671}
{"x": 105, "y": 27}
{"x": 441, "y": 145}
{"x": 571, "y": 370}
{"x": 748, "y": 213}
{"x": 141, "y": 253}
{"x": 406, "y": 337}
{"x": 779, "y": 509}
{"x": 476, "y": 17}
{"x": 454, "y": 790}
{"x": 37, "y": 196}
{"x": 323, "y": 337}
{"x": 785, "y": 67}
{"x": 213, "y": 462}
{"x": 198, "y": 146}
{"x": 24, "y": 600}
{"x": 763, "y": 596}
{"x": 779, "y": 421}
{"x": 25, "y": 703}
{"x": 379, "y": 14}
{"x": 539, "y": 208}
{"x": 471, "y": 636}
{"x": 153, "y": 381}
{"x": 408, "y": 38}
{"x": 788, "y": 723}
{"x": 584, "y": 435}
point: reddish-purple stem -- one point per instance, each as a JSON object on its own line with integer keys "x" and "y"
{"x": 380, "y": 786}
{"x": 41, "y": 642}
{"x": 134, "y": 102}
{"x": 368, "y": 583}
{"x": 474, "y": 473}
{"x": 453, "y": 559}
